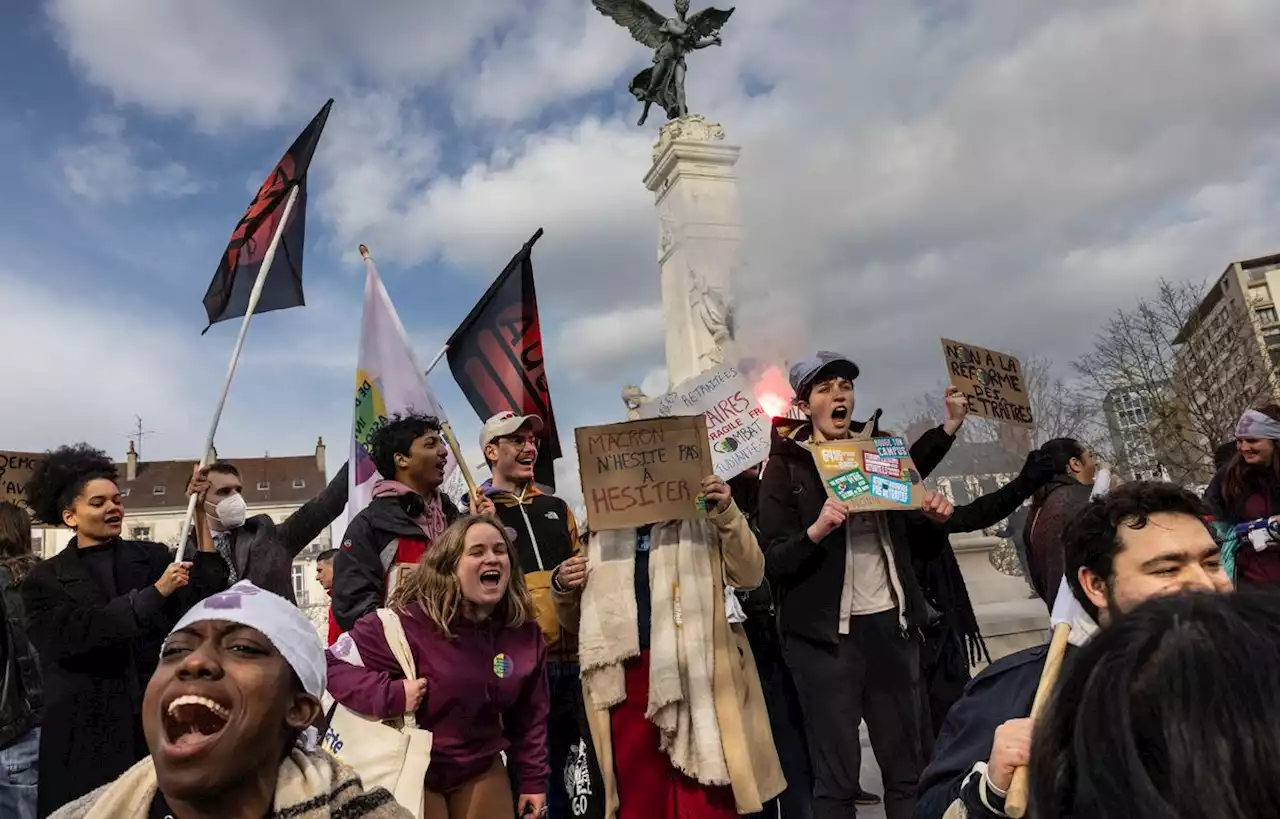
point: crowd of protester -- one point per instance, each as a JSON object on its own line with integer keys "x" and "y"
{"x": 687, "y": 669}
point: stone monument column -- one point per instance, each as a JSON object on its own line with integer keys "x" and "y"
{"x": 695, "y": 192}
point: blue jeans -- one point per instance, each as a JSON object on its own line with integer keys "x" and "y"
{"x": 18, "y": 772}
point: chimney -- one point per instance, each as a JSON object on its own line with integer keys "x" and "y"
{"x": 131, "y": 464}
{"x": 320, "y": 455}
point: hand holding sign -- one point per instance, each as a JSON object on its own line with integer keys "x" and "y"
{"x": 832, "y": 517}
{"x": 957, "y": 405}
{"x": 717, "y": 494}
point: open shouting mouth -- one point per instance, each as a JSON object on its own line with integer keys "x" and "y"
{"x": 491, "y": 579}
{"x": 192, "y": 722}
{"x": 840, "y": 413}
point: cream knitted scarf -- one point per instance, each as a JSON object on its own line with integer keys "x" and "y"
{"x": 683, "y": 594}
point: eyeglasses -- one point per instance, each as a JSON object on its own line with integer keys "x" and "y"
{"x": 521, "y": 441}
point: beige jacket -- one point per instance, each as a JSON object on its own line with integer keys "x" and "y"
{"x": 746, "y": 737}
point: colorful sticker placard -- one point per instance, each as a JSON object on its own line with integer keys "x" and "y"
{"x": 870, "y": 474}
{"x": 849, "y": 485}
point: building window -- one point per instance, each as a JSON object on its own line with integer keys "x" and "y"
{"x": 1267, "y": 315}
{"x": 157, "y": 490}
{"x": 299, "y": 584}
{"x": 140, "y": 533}
{"x": 299, "y": 483}
{"x": 264, "y": 486}
{"x": 1261, "y": 293}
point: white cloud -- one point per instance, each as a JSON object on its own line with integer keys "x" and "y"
{"x": 109, "y": 168}
{"x": 1006, "y": 172}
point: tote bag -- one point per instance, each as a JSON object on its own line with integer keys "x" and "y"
{"x": 392, "y": 754}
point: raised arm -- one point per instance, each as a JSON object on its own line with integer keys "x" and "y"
{"x": 306, "y": 524}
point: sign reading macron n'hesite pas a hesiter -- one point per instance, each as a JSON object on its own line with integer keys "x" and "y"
{"x": 642, "y": 472}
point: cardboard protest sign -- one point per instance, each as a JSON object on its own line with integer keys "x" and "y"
{"x": 992, "y": 381}
{"x": 643, "y": 471}
{"x": 737, "y": 427}
{"x": 871, "y": 475}
{"x": 15, "y": 471}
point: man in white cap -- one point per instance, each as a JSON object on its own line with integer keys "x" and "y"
{"x": 545, "y": 535}
{"x": 227, "y": 718}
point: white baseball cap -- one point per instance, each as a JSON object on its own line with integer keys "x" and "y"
{"x": 506, "y": 423}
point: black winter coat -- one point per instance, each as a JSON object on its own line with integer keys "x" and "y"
{"x": 1003, "y": 691}
{"x": 368, "y": 551}
{"x": 264, "y": 550}
{"x": 20, "y": 689}
{"x": 97, "y": 655}
{"x": 808, "y": 577}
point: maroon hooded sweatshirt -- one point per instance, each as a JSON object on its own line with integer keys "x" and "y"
{"x": 486, "y": 693}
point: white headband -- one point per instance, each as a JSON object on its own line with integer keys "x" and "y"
{"x": 1254, "y": 424}
{"x": 288, "y": 629}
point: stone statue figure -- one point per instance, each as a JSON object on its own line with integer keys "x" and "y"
{"x": 634, "y": 398}
{"x": 671, "y": 38}
{"x": 714, "y": 310}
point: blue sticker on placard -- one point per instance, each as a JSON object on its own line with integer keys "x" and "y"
{"x": 891, "y": 490}
{"x": 891, "y": 447}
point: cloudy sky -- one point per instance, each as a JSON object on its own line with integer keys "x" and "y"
{"x": 1004, "y": 172}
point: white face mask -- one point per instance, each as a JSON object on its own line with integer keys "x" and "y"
{"x": 231, "y": 511}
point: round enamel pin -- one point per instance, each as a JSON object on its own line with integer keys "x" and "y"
{"x": 503, "y": 666}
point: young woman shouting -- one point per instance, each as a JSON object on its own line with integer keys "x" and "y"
{"x": 469, "y": 621}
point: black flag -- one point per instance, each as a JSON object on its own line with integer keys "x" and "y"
{"x": 496, "y": 356}
{"x": 228, "y": 295}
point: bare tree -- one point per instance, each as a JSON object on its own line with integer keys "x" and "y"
{"x": 1192, "y": 362}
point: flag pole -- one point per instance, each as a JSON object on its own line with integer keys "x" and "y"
{"x": 254, "y": 296}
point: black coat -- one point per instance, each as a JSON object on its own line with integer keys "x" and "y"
{"x": 368, "y": 550}
{"x": 97, "y": 655}
{"x": 264, "y": 550}
{"x": 808, "y": 578}
{"x": 1003, "y": 691}
{"x": 21, "y": 695}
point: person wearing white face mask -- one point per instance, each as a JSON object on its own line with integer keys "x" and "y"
{"x": 257, "y": 548}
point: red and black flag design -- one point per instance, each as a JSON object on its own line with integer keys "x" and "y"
{"x": 496, "y": 356}
{"x": 228, "y": 295}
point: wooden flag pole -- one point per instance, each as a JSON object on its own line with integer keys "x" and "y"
{"x": 254, "y": 296}
{"x": 1015, "y": 802}
{"x": 447, "y": 431}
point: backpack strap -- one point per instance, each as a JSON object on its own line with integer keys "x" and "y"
{"x": 393, "y": 629}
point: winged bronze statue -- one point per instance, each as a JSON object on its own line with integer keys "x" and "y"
{"x": 671, "y": 38}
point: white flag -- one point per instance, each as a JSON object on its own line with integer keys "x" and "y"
{"x": 388, "y": 381}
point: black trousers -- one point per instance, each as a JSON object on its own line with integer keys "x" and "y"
{"x": 872, "y": 674}
{"x": 785, "y": 719}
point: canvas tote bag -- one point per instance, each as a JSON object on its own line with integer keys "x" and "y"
{"x": 392, "y": 754}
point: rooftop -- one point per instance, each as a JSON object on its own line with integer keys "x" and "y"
{"x": 268, "y": 481}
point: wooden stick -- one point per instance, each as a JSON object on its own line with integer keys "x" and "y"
{"x": 1015, "y": 803}
{"x": 447, "y": 431}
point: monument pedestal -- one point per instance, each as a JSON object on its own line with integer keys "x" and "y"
{"x": 1009, "y": 617}
{"x": 695, "y": 192}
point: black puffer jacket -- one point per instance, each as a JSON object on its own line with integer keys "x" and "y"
{"x": 20, "y": 688}
{"x": 808, "y": 577}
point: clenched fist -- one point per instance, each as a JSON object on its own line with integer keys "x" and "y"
{"x": 937, "y": 508}
{"x": 414, "y": 691}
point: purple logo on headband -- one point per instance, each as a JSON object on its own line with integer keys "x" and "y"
{"x": 229, "y": 599}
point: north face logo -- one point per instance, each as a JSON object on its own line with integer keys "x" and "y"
{"x": 552, "y": 516}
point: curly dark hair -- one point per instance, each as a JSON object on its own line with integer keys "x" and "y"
{"x": 1092, "y": 539}
{"x": 395, "y": 436}
{"x": 58, "y": 480}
